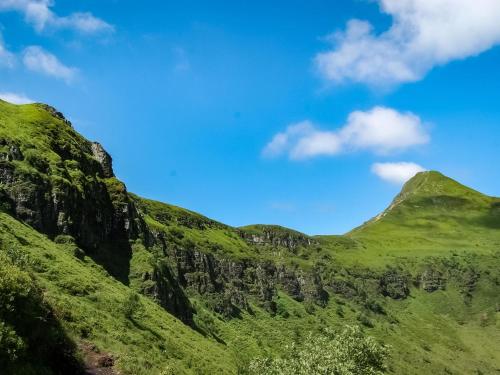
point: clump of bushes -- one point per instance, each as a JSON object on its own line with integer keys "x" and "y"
{"x": 132, "y": 307}
{"x": 348, "y": 352}
{"x": 31, "y": 339}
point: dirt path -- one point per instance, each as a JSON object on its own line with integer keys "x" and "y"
{"x": 97, "y": 362}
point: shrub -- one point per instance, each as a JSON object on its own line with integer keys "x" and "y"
{"x": 132, "y": 306}
{"x": 11, "y": 345}
{"x": 281, "y": 310}
{"x": 31, "y": 340}
{"x": 37, "y": 160}
{"x": 348, "y": 352}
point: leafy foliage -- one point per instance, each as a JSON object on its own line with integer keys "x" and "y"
{"x": 31, "y": 340}
{"x": 346, "y": 353}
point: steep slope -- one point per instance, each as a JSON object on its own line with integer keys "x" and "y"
{"x": 62, "y": 185}
{"x": 95, "y": 313}
{"x": 424, "y": 276}
{"x": 433, "y": 214}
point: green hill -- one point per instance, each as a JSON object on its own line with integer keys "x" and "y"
{"x": 94, "y": 278}
{"x": 432, "y": 215}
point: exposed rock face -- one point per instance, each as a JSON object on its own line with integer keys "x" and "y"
{"x": 10, "y": 151}
{"x": 395, "y": 284}
{"x": 104, "y": 160}
{"x": 276, "y": 236}
{"x": 344, "y": 288}
{"x": 55, "y": 206}
{"x": 227, "y": 284}
{"x": 79, "y": 197}
{"x": 432, "y": 280}
{"x": 166, "y": 291}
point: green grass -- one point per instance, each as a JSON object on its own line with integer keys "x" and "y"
{"x": 433, "y": 215}
{"x": 436, "y": 226}
{"x": 45, "y": 142}
{"x": 89, "y": 305}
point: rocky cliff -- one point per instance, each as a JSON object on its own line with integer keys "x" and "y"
{"x": 62, "y": 185}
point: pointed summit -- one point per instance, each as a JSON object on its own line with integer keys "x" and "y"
{"x": 433, "y": 205}
{"x": 435, "y": 183}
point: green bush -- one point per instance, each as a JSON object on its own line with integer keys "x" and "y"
{"x": 345, "y": 353}
{"x": 132, "y": 306}
{"x": 11, "y": 345}
{"x": 31, "y": 340}
{"x": 37, "y": 160}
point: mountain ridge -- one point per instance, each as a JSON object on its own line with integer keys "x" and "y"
{"x": 140, "y": 280}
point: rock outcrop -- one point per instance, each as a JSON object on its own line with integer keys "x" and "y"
{"x": 276, "y": 236}
{"x": 227, "y": 284}
{"x": 104, "y": 160}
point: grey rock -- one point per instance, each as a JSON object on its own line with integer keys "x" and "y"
{"x": 104, "y": 160}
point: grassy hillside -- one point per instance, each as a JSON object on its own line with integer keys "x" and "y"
{"x": 424, "y": 332}
{"x": 93, "y": 309}
{"x": 91, "y": 275}
{"x": 433, "y": 215}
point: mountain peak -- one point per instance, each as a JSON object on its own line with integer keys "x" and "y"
{"x": 430, "y": 192}
{"x": 433, "y": 183}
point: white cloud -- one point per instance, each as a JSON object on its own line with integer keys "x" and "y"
{"x": 396, "y": 173}
{"x": 423, "y": 34}
{"x": 7, "y": 58}
{"x": 38, "y": 60}
{"x": 383, "y": 130}
{"x": 316, "y": 143}
{"x": 39, "y": 14}
{"x": 15, "y": 98}
{"x": 380, "y": 130}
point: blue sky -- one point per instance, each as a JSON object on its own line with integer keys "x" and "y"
{"x": 304, "y": 114}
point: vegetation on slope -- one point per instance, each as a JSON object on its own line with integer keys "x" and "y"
{"x": 106, "y": 270}
{"x": 93, "y": 310}
{"x": 433, "y": 215}
{"x": 343, "y": 353}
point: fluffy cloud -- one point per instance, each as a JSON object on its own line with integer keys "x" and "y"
{"x": 423, "y": 34}
{"x": 380, "y": 130}
{"x": 15, "y": 98}
{"x": 39, "y": 14}
{"x": 383, "y": 130}
{"x": 396, "y": 173}
{"x": 38, "y": 60}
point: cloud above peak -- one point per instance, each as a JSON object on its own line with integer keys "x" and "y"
{"x": 39, "y": 14}
{"x": 380, "y": 130}
{"x": 396, "y": 173}
{"x": 423, "y": 34}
